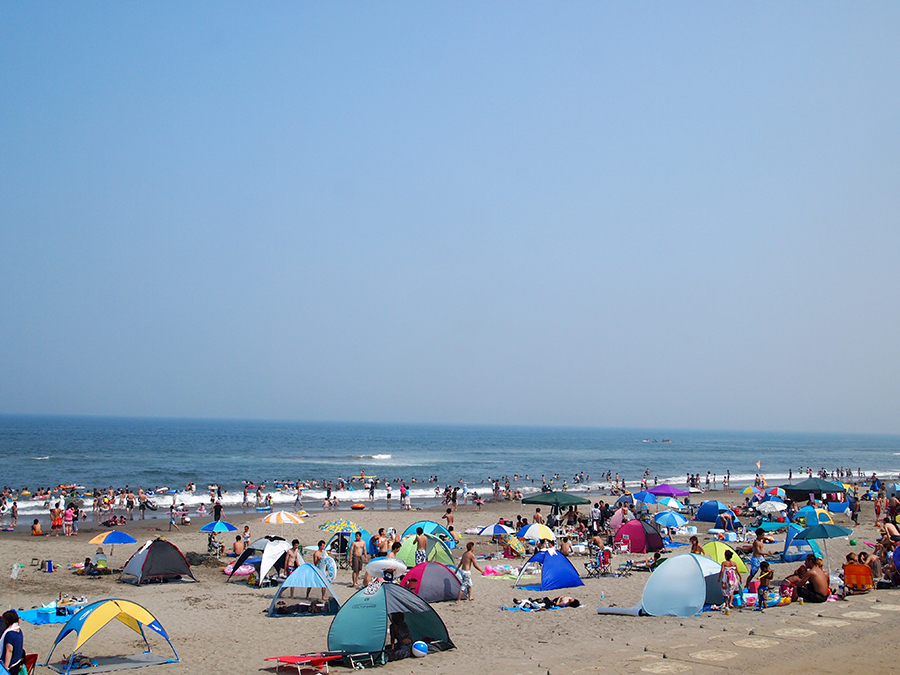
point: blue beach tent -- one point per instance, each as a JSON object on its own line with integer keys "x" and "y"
{"x": 361, "y": 625}
{"x": 556, "y": 571}
{"x": 797, "y": 549}
{"x": 709, "y": 511}
{"x": 682, "y": 585}
{"x": 306, "y": 576}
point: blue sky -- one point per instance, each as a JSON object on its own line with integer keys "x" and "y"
{"x": 600, "y": 214}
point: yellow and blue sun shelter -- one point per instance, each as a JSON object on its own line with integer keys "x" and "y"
{"x": 94, "y": 617}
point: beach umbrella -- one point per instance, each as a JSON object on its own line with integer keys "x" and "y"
{"x": 776, "y": 492}
{"x": 666, "y": 490}
{"x": 495, "y": 530}
{"x": 824, "y": 531}
{"x": 536, "y": 531}
{"x": 218, "y": 526}
{"x": 339, "y": 525}
{"x": 771, "y": 507}
{"x": 645, "y": 497}
{"x": 282, "y": 518}
{"x": 557, "y": 499}
{"x": 750, "y": 490}
{"x": 514, "y": 544}
{"x": 670, "y": 519}
{"x": 670, "y": 503}
{"x": 112, "y": 538}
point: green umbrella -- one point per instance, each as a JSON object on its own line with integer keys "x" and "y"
{"x": 824, "y": 531}
{"x": 814, "y": 485}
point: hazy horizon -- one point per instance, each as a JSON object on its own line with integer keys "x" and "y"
{"x": 580, "y": 215}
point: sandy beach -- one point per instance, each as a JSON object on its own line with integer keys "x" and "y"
{"x": 221, "y": 627}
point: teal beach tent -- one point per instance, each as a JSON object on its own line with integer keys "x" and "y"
{"x": 362, "y": 623}
{"x": 431, "y": 527}
{"x": 796, "y": 548}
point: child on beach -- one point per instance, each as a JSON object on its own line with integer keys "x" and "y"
{"x": 730, "y": 579}
{"x": 765, "y": 578}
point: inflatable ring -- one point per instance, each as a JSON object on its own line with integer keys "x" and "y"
{"x": 377, "y": 567}
{"x": 328, "y": 568}
{"x": 358, "y": 507}
{"x": 241, "y": 571}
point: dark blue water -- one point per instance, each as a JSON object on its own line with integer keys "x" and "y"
{"x": 102, "y": 452}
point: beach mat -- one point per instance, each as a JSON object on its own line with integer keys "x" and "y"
{"x": 109, "y": 664}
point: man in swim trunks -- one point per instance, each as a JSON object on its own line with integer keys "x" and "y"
{"x": 292, "y": 560}
{"x": 756, "y": 554}
{"x": 421, "y": 546}
{"x": 465, "y": 570}
{"x": 357, "y": 558}
{"x": 813, "y": 585}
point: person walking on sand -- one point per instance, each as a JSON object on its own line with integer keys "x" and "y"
{"x": 358, "y": 558}
{"x": 730, "y": 579}
{"x": 465, "y": 571}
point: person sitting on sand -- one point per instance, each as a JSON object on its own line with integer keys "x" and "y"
{"x": 813, "y": 585}
{"x": 696, "y": 548}
{"x": 400, "y": 645}
{"x": 36, "y": 530}
{"x": 566, "y": 547}
{"x": 238, "y": 546}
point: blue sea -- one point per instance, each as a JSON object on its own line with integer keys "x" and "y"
{"x": 93, "y": 452}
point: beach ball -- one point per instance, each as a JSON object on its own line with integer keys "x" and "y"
{"x": 853, "y": 542}
{"x": 419, "y": 649}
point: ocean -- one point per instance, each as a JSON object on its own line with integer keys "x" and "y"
{"x": 39, "y": 451}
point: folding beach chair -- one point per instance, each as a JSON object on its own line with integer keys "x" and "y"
{"x": 857, "y": 579}
{"x": 600, "y": 565}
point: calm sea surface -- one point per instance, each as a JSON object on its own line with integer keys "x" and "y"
{"x": 100, "y": 452}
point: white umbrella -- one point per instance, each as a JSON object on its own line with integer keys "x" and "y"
{"x": 771, "y": 507}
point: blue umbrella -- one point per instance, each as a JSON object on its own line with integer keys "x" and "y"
{"x": 218, "y": 526}
{"x": 670, "y": 519}
{"x": 113, "y": 537}
{"x": 645, "y": 497}
{"x": 496, "y": 530}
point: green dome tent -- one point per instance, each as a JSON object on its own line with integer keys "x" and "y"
{"x": 435, "y": 551}
{"x": 361, "y": 625}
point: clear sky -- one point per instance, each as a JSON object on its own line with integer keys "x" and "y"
{"x": 604, "y": 214}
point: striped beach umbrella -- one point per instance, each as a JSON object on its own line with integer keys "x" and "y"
{"x": 671, "y": 503}
{"x": 536, "y": 531}
{"x": 283, "y": 518}
{"x": 339, "y": 525}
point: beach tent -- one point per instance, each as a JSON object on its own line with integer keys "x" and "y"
{"x": 433, "y": 582}
{"x": 810, "y": 516}
{"x": 362, "y": 623}
{"x": 716, "y": 551}
{"x": 709, "y": 511}
{"x": 797, "y": 549}
{"x": 435, "y": 551}
{"x": 305, "y": 576}
{"x": 431, "y": 527}
{"x": 642, "y": 537}
{"x": 556, "y": 571}
{"x": 682, "y": 585}
{"x": 155, "y": 562}
{"x": 94, "y": 617}
{"x": 273, "y": 550}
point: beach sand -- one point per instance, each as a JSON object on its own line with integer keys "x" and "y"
{"x": 222, "y": 627}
